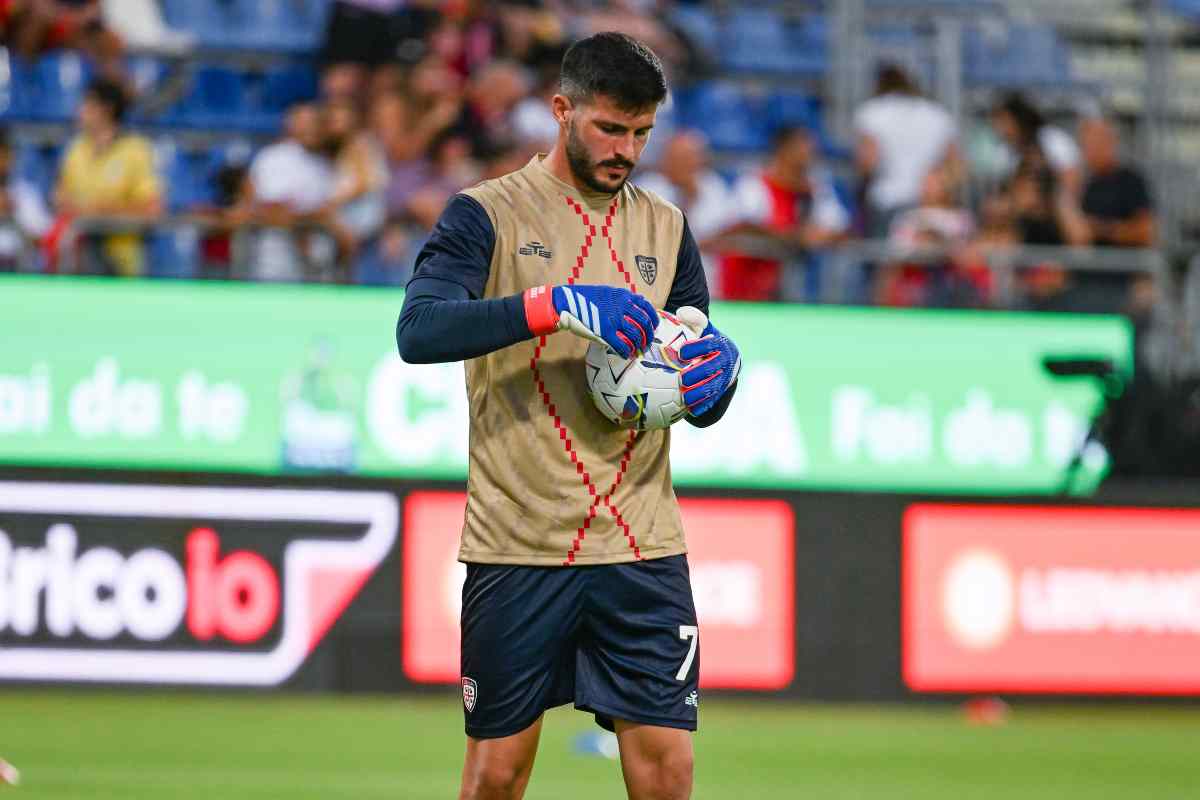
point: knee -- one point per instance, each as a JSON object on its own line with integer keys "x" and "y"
{"x": 667, "y": 777}
{"x": 493, "y": 782}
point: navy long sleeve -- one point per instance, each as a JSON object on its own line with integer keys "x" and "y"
{"x": 441, "y": 322}
{"x": 443, "y": 318}
{"x": 691, "y": 289}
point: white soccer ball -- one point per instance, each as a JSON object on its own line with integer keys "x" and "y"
{"x": 641, "y": 392}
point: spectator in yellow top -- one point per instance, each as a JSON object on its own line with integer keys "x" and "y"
{"x": 108, "y": 174}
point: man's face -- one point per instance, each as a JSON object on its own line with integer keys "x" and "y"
{"x": 306, "y": 127}
{"x": 685, "y": 157}
{"x": 92, "y": 114}
{"x": 1098, "y": 141}
{"x": 795, "y": 155}
{"x": 603, "y": 142}
{"x": 1005, "y": 127}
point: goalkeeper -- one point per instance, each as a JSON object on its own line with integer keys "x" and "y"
{"x": 577, "y": 584}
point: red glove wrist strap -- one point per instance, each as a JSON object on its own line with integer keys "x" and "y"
{"x": 539, "y": 310}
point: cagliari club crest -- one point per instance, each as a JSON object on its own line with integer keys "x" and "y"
{"x": 648, "y": 266}
{"x": 470, "y": 693}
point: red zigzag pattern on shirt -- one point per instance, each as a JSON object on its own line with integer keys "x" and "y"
{"x": 568, "y": 445}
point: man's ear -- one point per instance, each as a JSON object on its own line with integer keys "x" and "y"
{"x": 561, "y": 106}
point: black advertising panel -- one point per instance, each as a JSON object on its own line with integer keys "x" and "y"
{"x": 142, "y": 584}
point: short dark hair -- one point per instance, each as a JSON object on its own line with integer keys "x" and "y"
{"x": 1024, "y": 113}
{"x": 782, "y": 136}
{"x": 616, "y": 66}
{"x": 109, "y": 94}
{"x": 891, "y": 78}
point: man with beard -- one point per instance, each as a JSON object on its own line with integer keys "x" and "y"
{"x": 577, "y": 584}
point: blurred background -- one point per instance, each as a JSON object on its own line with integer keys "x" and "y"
{"x": 944, "y": 545}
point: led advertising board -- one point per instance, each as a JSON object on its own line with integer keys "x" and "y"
{"x": 740, "y": 556}
{"x": 1051, "y": 599}
{"x": 279, "y": 380}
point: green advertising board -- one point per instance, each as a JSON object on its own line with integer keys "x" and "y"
{"x": 270, "y": 379}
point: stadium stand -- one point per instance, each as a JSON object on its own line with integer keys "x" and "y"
{"x": 752, "y": 70}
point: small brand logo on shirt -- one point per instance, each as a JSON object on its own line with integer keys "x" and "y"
{"x": 535, "y": 249}
{"x": 648, "y": 266}
{"x": 693, "y": 699}
{"x": 471, "y": 693}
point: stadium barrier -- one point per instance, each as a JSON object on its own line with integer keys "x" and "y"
{"x": 338, "y": 584}
{"x": 845, "y": 259}
{"x": 844, "y": 265}
{"x": 318, "y": 262}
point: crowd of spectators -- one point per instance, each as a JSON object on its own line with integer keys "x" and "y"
{"x": 419, "y": 99}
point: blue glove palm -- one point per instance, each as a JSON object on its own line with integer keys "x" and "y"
{"x": 606, "y": 314}
{"x": 714, "y": 364}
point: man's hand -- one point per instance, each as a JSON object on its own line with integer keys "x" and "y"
{"x": 713, "y": 363}
{"x": 608, "y": 315}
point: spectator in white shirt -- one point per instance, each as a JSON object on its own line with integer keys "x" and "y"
{"x": 291, "y": 183}
{"x": 686, "y": 178}
{"x": 901, "y": 137}
{"x": 24, "y": 215}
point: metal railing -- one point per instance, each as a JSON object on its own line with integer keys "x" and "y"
{"x": 842, "y": 260}
{"x": 843, "y": 267}
{"x": 312, "y": 264}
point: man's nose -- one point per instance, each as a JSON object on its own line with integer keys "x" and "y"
{"x": 625, "y": 147}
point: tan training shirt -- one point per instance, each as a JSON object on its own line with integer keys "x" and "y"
{"x": 551, "y": 481}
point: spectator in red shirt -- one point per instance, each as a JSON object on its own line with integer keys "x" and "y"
{"x": 791, "y": 207}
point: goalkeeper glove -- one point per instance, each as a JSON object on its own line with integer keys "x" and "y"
{"x": 713, "y": 363}
{"x": 615, "y": 317}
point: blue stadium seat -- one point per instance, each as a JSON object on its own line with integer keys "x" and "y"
{"x": 760, "y": 41}
{"x": 285, "y": 86}
{"x": 146, "y": 72}
{"x": 38, "y": 164}
{"x": 793, "y": 108}
{"x": 17, "y": 93}
{"x": 901, "y": 43}
{"x": 190, "y": 16}
{"x": 732, "y": 120}
{"x": 1023, "y": 55}
{"x": 700, "y": 25}
{"x": 172, "y": 252}
{"x": 48, "y": 89}
{"x": 185, "y": 174}
{"x": 285, "y": 25}
{"x": 1185, "y": 8}
{"x": 277, "y": 25}
{"x": 215, "y": 99}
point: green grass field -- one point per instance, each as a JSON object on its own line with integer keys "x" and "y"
{"x": 96, "y": 746}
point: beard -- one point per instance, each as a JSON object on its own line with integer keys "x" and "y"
{"x": 584, "y": 169}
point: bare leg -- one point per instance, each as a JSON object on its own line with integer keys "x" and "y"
{"x": 656, "y": 762}
{"x": 499, "y": 769}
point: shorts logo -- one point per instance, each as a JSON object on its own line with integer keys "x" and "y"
{"x": 470, "y": 693}
{"x": 648, "y": 266}
{"x": 693, "y": 699}
{"x": 535, "y": 249}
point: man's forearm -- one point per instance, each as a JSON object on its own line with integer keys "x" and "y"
{"x": 440, "y": 322}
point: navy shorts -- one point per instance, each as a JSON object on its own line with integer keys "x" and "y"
{"x": 618, "y": 640}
